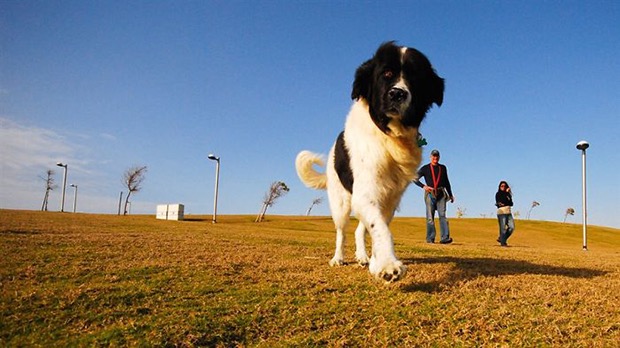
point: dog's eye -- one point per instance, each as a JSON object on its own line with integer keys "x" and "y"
{"x": 388, "y": 74}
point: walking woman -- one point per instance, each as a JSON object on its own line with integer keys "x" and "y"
{"x": 503, "y": 201}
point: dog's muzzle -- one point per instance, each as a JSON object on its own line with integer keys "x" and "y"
{"x": 397, "y": 100}
{"x": 397, "y": 95}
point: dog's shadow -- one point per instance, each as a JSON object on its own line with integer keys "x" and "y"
{"x": 465, "y": 269}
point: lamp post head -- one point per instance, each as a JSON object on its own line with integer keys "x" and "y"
{"x": 73, "y": 185}
{"x": 60, "y": 164}
{"x": 213, "y": 157}
{"x": 583, "y": 145}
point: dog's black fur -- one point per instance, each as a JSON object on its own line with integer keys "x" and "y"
{"x": 343, "y": 167}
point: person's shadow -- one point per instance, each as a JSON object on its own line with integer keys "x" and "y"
{"x": 471, "y": 268}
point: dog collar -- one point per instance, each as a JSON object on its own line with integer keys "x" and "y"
{"x": 421, "y": 140}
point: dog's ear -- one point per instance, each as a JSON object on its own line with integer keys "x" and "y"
{"x": 363, "y": 80}
{"x": 437, "y": 88}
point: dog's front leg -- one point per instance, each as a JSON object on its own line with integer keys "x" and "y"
{"x": 360, "y": 245}
{"x": 383, "y": 262}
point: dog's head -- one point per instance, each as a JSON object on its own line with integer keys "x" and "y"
{"x": 399, "y": 84}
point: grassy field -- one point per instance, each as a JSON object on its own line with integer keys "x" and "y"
{"x": 90, "y": 280}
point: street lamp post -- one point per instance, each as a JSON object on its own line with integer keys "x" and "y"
{"x": 64, "y": 185}
{"x": 583, "y": 145}
{"x": 120, "y": 200}
{"x": 217, "y": 179}
{"x": 74, "y": 196}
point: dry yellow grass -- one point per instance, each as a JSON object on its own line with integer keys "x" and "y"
{"x": 84, "y": 280}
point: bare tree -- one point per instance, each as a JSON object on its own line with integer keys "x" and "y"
{"x": 315, "y": 201}
{"x": 49, "y": 186}
{"x": 517, "y": 214}
{"x": 534, "y": 205}
{"x": 569, "y": 211}
{"x": 132, "y": 179}
{"x": 276, "y": 190}
{"x": 460, "y": 212}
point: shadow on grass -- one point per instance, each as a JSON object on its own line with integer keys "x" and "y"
{"x": 192, "y": 219}
{"x": 471, "y": 268}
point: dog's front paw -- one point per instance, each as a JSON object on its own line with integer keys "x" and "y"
{"x": 362, "y": 259}
{"x": 390, "y": 271}
{"x": 336, "y": 261}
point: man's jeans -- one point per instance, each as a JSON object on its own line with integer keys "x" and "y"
{"x": 506, "y": 227}
{"x": 433, "y": 205}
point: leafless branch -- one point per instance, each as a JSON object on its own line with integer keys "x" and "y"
{"x": 276, "y": 190}
{"x": 132, "y": 180}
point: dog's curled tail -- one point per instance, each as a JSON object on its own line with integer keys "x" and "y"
{"x": 306, "y": 172}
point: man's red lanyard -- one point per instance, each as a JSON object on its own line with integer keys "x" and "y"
{"x": 435, "y": 180}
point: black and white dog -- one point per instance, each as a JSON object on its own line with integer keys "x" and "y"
{"x": 376, "y": 157}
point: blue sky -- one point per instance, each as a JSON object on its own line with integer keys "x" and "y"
{"x": 105, "y": 85}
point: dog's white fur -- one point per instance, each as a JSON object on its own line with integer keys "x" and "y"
{"x": 383, "y": 166}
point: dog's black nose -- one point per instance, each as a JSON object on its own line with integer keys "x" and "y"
{"x": 397, "y": 94}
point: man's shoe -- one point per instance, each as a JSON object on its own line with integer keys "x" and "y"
{"x": 446, "y": 241}
{"x": 504, "y": 244}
